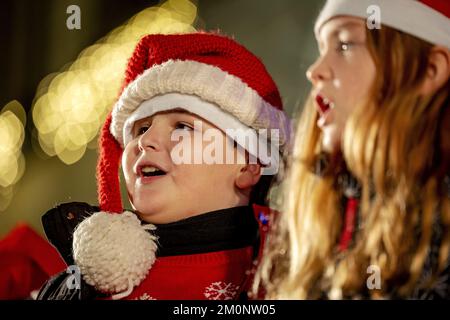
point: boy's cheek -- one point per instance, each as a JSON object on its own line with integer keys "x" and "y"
{"x": 127, "y": 163}
{"x": 127, "y": 173}
{"x": 130, "y": 188}
{"x": 129, "y": 153}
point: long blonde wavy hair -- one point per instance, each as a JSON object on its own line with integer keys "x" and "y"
{"x": 397, "y": 146}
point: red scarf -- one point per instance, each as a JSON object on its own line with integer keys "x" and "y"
{"x": 351, "y": 211}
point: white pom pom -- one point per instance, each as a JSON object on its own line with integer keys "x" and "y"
{"x": 114, "y": 251}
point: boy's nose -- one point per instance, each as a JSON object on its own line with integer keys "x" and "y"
{"x": 152, "y": 138}
{"x": 319, "y": 71}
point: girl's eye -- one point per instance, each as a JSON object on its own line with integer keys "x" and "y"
{"x": 184, "y": 126}
{"x": 344, "y": 46}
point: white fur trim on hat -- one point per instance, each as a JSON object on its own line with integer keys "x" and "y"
{"x": 208, "y": 82}
{"x": 114, "y": 251}
{"x": 206, "y": 110}
{"x": 409, "y": 16}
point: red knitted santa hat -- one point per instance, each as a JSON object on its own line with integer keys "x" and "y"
{"x": 237, "y": 89}
{"x": 428, "y": 20}
{"x": 26, "y": 261}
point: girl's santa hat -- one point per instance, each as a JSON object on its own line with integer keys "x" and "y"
{"x": 206, "y": 74}
{"x": 428, "y": 20}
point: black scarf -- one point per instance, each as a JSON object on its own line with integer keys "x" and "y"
{"x": 224, "y": 229}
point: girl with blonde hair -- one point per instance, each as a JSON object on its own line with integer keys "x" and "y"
{"x": 367, "y": 199}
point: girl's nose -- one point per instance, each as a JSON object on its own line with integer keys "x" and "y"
{"x": 319, "y": 71}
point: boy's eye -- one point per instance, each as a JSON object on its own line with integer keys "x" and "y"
{"x": 184, "y": 126}
{"x": 142, "y": 129}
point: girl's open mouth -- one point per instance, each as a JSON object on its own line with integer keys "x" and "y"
{"x": 324, "y": 104}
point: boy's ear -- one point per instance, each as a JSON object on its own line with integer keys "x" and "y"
{"x": 248, "y": 176}
{"x": 438, "y": 70}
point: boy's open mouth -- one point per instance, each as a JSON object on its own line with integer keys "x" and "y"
{"x": 150, "y": 171}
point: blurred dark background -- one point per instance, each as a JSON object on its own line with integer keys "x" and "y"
{"x": 36, "y": 42}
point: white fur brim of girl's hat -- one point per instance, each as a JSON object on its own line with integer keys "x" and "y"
{"x": 425, "y": 19}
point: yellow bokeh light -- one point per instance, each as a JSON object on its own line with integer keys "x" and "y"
{"x": 11, "y": 132}
{"x": 183, "y": 11}
{"x": 46, "y": 143}
{"x": 46, "y": 118}
{"x": 12, "y": 135}
{"x": 69, "y": 108}
{"x": 9, "y": 170}
{"x": 71, "y": 156}
{"x": 16, "y": 108}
